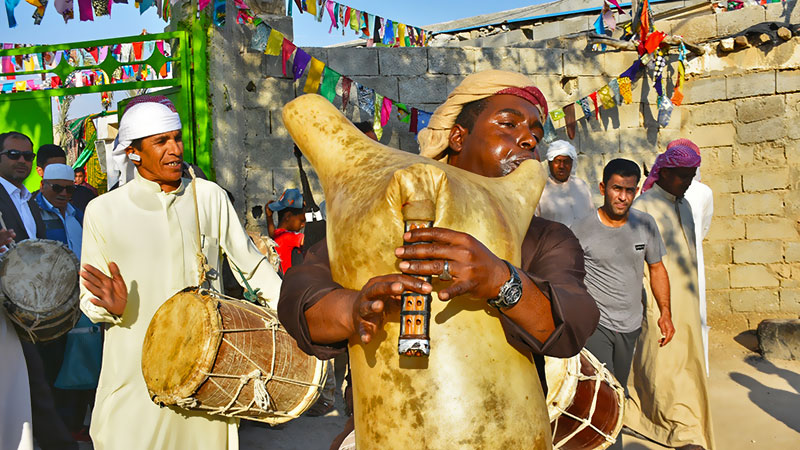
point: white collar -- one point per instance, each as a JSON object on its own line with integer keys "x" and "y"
{"x": 22, "y": 192}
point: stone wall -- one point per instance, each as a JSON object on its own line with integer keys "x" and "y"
{"x": 741, "y": 109}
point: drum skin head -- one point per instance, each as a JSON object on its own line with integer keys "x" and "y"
{"x": 562, "y": 382}
{"x": 39, "y": 275}
{"x": 474, "y": 390}
{"x": 180, "y": 346}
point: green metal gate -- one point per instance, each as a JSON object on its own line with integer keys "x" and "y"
{"x": 29, "y": 111}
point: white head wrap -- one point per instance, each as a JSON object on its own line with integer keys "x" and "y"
{"x": 154, "y": 115}
{"x": 58, "y": 172}
{"x": 561, "y": 148}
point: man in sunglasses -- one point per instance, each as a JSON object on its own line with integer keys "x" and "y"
{"x": 20, "y": 213}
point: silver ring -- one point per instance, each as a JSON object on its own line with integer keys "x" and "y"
{"x": 445, "y": 275}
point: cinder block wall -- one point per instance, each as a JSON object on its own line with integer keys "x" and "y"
{"x": 743, "y": 116}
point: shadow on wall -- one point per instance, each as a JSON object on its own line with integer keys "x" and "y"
{"x": 778, "y": 403}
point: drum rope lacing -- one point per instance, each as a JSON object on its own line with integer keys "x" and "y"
{"x": 584, "y": 423}
{"x": 261, "y": 396}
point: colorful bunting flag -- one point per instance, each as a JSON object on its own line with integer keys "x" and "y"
{"x": 569, "y": 118}
{"x": 366, "y": 98}
{"x": 314, "y": 76}
{"x": 422, "y": 120}
{"x": 625, "y": 89}
{"x": 412, "y": 128}
{"x": 587, "y": 109}
{"x": 386, "y": 110}
{"x": 549, "y": 131}
{"x": 377, "y": 121}
{"x": 593, "y": 96}
{"x": 614, "y": 86}
{"x": 664, "y": 110}
{"x": 606, "y": 97}
{"x": 301, "y": 60}
{"x": 287, "y": 48}
{"x": 274, "y": 43}
{"x": 330, "y": 78}
{"x": 346, "y": 84}
{"x": 557, "y": 115}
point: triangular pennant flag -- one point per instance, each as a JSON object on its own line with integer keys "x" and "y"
{"x": 625, "y": 89}
{"x": 311, "y": 7}
{"x": 412, "y": 128}
{"x": 366, "y": 98}
{"x": 423, "y": 118}
{"x": 606, "y": 97}
{"x": 377, "y": 121}
{"x": 301, "y": 60}
{"x": 330, "y": 78}
{"x": 614, "y": 85}
{"x": 569, "y": 118}
{"x": 677, "y": 94}
{"x": 619, "y": 9}
{"x": 287, "y": 48}
{"x": 402, "y": 112}
{"x": 632, "y": 70}
{"x": 201, "y": 5}
{"x": 86, "y": 13}
{"x": 260, "y": 37}
{"x": 600, "y": 29}
{"x": 347, "y": 16}
{"x": 557, "y": 115}
{"x": 664, "y": 110}
{"x": 346, "y": 84}
{"x": 593, "y": 96}
{"x": 274, "y": 43}
{"x": 314, "y": 76}
{"x": 586, "y": 107}
{"x": 386, "y": 110}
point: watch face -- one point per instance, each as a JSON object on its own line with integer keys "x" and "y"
{"x": 512, "y": 294}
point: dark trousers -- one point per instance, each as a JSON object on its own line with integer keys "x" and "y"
{"x": 48, "y": 427}
{"x": 615, "y": 350}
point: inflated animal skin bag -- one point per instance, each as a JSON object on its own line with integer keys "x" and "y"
{"x": 473, "y": 390}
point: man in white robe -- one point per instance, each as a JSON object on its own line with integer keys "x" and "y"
{"x": 566, "y": 198}
{"x": 669, "y": 399}
{"x": 701, "y": 199}
{"x": 140, "y": 248}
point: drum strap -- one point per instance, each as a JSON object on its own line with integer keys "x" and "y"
{"x": 203, "y": 267}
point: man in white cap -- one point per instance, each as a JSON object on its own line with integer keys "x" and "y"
{"x": 566, "y": 198}
{"x": 140, "y": 247}
{"x": 62, "y": 221}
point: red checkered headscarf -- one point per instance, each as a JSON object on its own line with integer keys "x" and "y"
{"x": 680, "y": 153}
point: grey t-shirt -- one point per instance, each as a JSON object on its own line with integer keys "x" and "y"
{"x": 614, "y": 259}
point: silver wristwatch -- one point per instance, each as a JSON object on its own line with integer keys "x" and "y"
{"x": 510, "y": 292}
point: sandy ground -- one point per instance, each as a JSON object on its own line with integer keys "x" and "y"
{"x": 755, "y": 405}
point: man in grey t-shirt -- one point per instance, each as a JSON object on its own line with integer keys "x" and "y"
{"x": 617, "y": 241}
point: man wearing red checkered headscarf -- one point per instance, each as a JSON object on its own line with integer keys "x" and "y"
{"x": 669, "y": 400}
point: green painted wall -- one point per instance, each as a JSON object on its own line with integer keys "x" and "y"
{"x": 32, "y": 117}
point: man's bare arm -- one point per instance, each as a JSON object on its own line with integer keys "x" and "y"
{"x": 659, "y": 285}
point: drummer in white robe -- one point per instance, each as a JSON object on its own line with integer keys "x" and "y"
{"x": 566, "y": 198}
{"x": 140, "y": 248}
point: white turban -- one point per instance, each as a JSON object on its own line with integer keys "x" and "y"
{"x": 149, "y": 116}
{"x": 561, "y": 148}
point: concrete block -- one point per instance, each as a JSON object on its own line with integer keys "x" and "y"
{"x": 503, "y": 58}
{"x": 769, "y": 203}
{"x": 718, "y": 304}
{"x": 752, "y": 276}
{"x": 403, "y": 61}
{"x": 572, "y": 25}
{"x": 787, "y": 81}
{"x": 386, "y": 86}
{"x": 558, "y": 90}
{"x": 451, "y": 60}
{"x": 761, "y": 131}
{"x": 583, "y": 63}
{"x": 354, "y": 61}
{"x": 770, "y": 154}
{"x": 729, "y": 183}
{"x": 761, "y": 300}
{"x": 760, "y": 108}
{"x": 453, "y": 81}
{"x": 726, "y": 229}
{"x": 710, "y": 113}
{"x": 269, "y": 93}
{"x": 630, "y": 117}
{"x": 717, "y": 278}
{"x": 712, "y": 135}
{"x": 696, "y": 29}
{"x": 779, "y": 338}
{"x": 716, "y": 159}
{"x": 615, "y": 62}
{"x": 541, "y": 61}
{"x": 751, "y": 84}
{"x": 588, "y": 84}
{"x": 702, "y": 90}
{"x": 743, "y": 155}
{"x": 765, "y": 180}
{"x": 757, "y": 252}
{"x": 733, "y": 22}
{"x": 792, "y": 252}
{"x": 771, "y": 228}
{"x": 546, "y": 31}
{"x": 424, "y": 89}
{"x": 723, "y": 205}
{"x": 790, "y": 300}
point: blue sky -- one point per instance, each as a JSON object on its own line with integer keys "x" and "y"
{"x": 126, "y": 21}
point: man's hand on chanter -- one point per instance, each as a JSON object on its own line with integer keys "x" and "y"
{"x": 378, "y": 296}
{"x": 474, "y": 268}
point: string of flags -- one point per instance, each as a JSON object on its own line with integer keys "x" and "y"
{"x": 124, "y": 53}
{"x": 324, "y": 80}
{"x": 376, "y": 30}
{"x": 87, "y": 9}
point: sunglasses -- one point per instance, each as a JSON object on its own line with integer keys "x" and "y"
{"x": 57, "y": 188}
{"x": 15, "y": 155}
